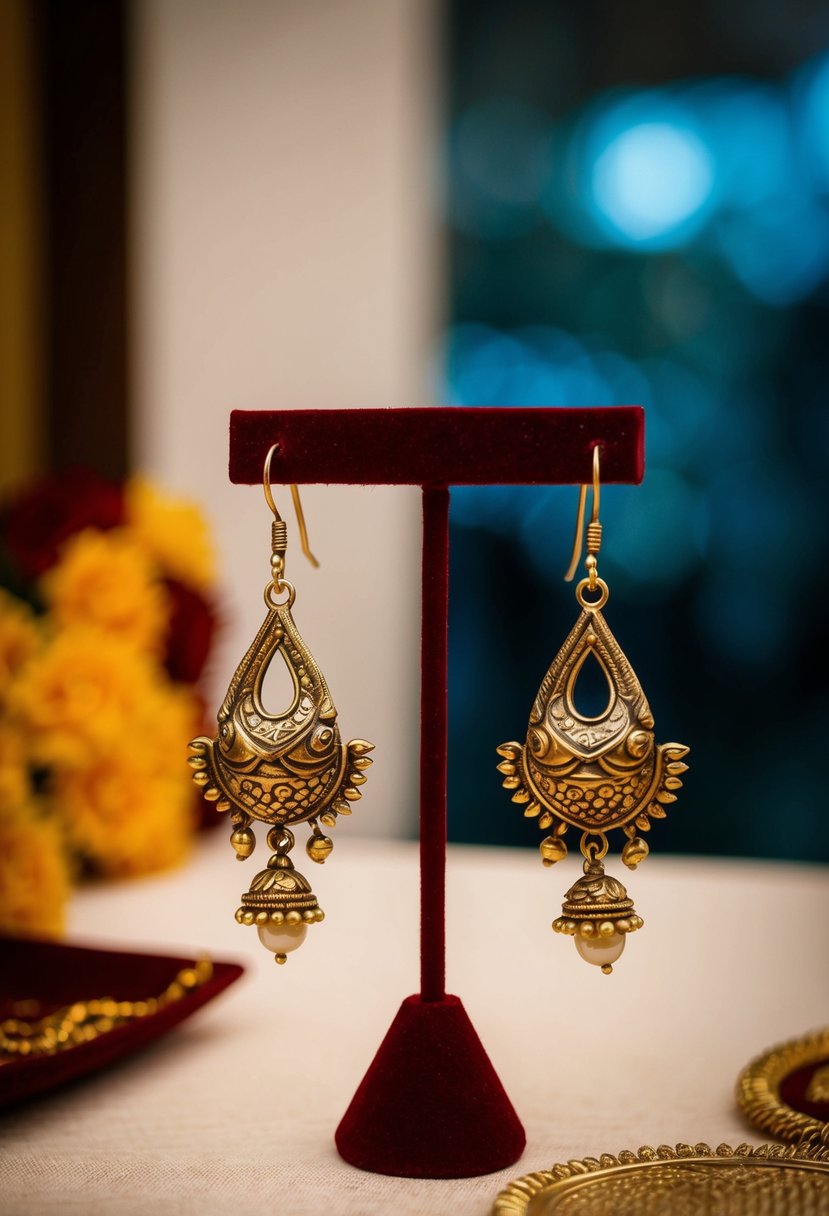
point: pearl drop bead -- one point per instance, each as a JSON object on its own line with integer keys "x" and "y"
{"x": 282, "y": 939}
{"x": 600, "y": 950}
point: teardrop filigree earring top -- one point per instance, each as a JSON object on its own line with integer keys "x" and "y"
{"x": 593, "y": 773}
{"x": 281, "y": 768}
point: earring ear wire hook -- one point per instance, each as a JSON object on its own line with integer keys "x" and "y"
{"x": 578, "y": 539}
{"x": 300, "y": 515}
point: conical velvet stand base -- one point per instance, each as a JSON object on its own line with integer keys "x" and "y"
{"x": 431, "y": 1104}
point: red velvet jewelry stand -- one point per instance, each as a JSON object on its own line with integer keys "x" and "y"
{"x": 431, "y": 1104}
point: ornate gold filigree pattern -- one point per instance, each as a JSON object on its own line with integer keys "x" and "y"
{"x": 774, "y": 1179}
{"x": 759, "y": 1088}
{"x": 593, "y": 773}
{"x": 280, "y": 768}
{"x": 598, "y": 773}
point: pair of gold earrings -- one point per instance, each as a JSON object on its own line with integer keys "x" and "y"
{"x": 591, "y": 773}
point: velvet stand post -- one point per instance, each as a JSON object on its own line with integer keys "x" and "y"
{"x": 431, "y": 1104}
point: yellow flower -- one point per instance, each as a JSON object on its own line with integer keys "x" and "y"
{"x": 105, "y": 580}
{"x": 82, "y": 692}
{"x": 130, "y": 808}
{"x": 14, "y": 777}
{"x": 19, "y": 638}
{"x": 34, "y": 874}
{"x": 169, "y": 720}
{"x": 125, "y": 813}
{"x": 173, "y": 531}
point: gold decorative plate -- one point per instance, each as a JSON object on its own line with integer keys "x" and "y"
{"x": 785, "y": 1091}
{"x": 777, "y": 1180}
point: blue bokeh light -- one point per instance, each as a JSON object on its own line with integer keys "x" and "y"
{"x": 748, "y": 130}
{"x": 780, "y": 252}
{"x": 738, "y": 168}
{"x": 672, "y": 249}
{"x": 653, "y": 183}
{"x": 479, "y": 363}
{"x": 734, "y": 174}
{"x": 661, "y": 533}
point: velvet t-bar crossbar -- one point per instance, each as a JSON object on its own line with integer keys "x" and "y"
{"x": 431, "y": 1104}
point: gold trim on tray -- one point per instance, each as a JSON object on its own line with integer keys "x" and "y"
{"x": 779, "y": 1180}
{"x": 82, "y": 1021}
{"x": 758, "y": 1088}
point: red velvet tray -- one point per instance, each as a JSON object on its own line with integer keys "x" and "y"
{"x": 56, "y": 975}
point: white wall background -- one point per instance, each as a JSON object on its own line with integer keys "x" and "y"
{"x": 285, "y": 256}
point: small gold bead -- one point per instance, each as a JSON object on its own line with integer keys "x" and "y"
{"x": 261, "y": 917}
{"x": 308, "y": 916}
{"x": 293, "y": 917}
{"x": 607, "y": 928}
{"x": 243, "y": 841}
{"x": 552, "y": 849}
{"x": 606, "y": 969}
{"x": 280, "y": 959}
{"x": 319, "y": 915}
{"x": 280, "y": 839}
{"x": 586, "y": 928}
{"x": 319, "y": 847}
{"x": 247, "y": 917}
{"x": 277, "y": 917}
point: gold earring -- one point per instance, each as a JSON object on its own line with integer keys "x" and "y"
{"x": 593, "y": 773}
{"x": 284, "y": 768}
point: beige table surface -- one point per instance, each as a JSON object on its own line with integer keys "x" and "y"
{"x": 234, "y": 1112}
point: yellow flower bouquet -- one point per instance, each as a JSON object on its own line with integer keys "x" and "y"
{"x": 106, "y": 624}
